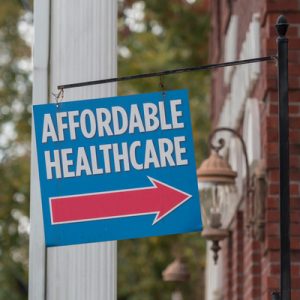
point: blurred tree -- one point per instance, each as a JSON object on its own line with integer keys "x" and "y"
{"x": 157, "y": 35}
{"x": 15, "y": 99}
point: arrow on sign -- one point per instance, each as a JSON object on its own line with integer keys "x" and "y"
{"x": 160, "y": 199}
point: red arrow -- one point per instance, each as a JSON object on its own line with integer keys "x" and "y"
{"x": 159, "y": 199}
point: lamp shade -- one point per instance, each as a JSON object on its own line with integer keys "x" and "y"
{"x": 216, "y": 170}
{"x": 176, "y": 272}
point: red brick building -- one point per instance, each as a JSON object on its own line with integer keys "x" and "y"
{"x": 245, "y": 98}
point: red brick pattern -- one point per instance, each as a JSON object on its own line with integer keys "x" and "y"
{"x": 237, "y": 262}
{"x": 252, "y": 268}
{"x": 227, "y": 263}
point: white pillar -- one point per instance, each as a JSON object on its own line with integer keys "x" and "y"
{"x": 37, "y": 251}
{"x": 214, "y": 274}
{"x": 177, "y": 295}
{"x": 83, "y": 46}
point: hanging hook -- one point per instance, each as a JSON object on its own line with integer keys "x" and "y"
{"x": 162, "y": 86}
{"x": 274, "y": 59}
{"x": 58, "y": 97}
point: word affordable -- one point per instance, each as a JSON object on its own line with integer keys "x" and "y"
{"x": 117, "y": 168}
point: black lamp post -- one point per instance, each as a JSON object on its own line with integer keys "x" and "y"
{"x": 283, "y": 122}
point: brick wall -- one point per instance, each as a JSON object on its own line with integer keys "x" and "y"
{"x": 251, "y": 267}
{"x": 228, "y": 269}
{"x": 238, "y": 258}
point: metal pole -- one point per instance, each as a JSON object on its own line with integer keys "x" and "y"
{"x": 275, "y": 296}
{"x": 283, "y": 122}
{"x": 168, "y": 72}
{"x": 221, "y": 145}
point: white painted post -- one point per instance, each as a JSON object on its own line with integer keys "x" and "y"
{"x": 37, "y": 268}
{"x": 83, "y": 46}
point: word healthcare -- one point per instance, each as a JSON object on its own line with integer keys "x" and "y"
{"x": 117, "y": 168}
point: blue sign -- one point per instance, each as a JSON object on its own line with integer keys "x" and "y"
{"x": 117, "y": 168}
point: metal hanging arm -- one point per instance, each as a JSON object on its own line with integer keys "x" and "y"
{"x": 169, "y": 72}
{"x": 221, "y": 144}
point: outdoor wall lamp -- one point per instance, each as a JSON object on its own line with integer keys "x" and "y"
{"x": 176, "y": 272}
{"x": 216, "y": 180}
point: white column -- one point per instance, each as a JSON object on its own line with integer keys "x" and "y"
{"x": 37, "y": 251}
{"x": 83, "y": 46}
{"x": 214, "y": 275}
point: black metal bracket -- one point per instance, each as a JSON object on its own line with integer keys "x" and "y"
{"x": 221, "y": 143}
{"x": 275, "y": 296}
{"x": 169, "y": 72}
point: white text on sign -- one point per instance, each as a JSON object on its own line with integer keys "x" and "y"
{"x": 114, "y": 157}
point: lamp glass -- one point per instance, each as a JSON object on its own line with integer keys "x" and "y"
{"x": 215, "y": 203}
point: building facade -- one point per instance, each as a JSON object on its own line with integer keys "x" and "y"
{"x": 245, "y": 98}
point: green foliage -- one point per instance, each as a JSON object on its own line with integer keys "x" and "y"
{"x": 14, "y": 197}
{"x": 169, "y": 36}
{"x": 141, "y": 262}
{"x": 153, "y": 36}
{"x": 15, "y": 98}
